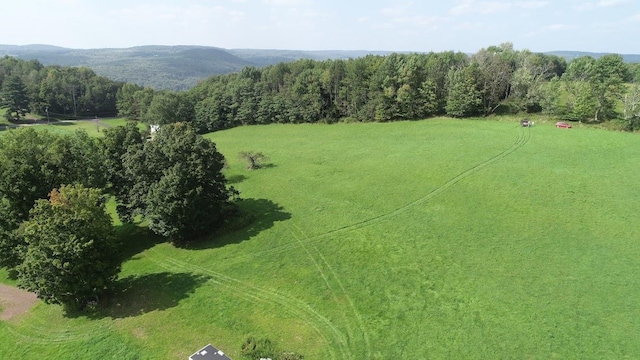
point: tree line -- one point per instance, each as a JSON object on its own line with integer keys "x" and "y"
{"x": 495, "y": 80}
{"x": 57, "y": 91}
{"x": 56, "y": 237}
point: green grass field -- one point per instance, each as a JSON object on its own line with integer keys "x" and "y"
{"x": 428, "y": 239}
{"x": 91, "y": 127}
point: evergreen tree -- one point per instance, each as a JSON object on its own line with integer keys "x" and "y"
{"x": 14, "y": 98}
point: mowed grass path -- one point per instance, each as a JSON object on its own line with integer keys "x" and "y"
{"x": 429, "y": 239}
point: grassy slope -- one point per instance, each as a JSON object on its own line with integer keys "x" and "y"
{"x": 91, "y": 127}
{"x": 459, "y": 239}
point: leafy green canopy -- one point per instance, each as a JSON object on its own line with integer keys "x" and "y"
{"x": 176, "y": 183}
{"x": 114, "y": 145}
{"x": 71, "y": 255}
{"x": 32, "y": 163}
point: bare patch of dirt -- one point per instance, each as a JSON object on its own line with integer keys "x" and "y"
{"x": 139, "y": 333}
{"x": 15, "y": 301}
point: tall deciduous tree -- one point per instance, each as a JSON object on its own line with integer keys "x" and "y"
{"x": 606, "y": 78}
{"x": 114, "y": 145}
{"x": 533, "y": 71}
{"x": 591, "y": 88}
{"x": 177, "y": 183}
{"x": 495, "y": 68}
{"x": 169, "y": 107}
{"x": 463, "y": 97}
{"x": 71, "y": 254}
{"x": 632, "y": 107}
{"x": 132, "y": 101}
{"x": 32, "y": 163}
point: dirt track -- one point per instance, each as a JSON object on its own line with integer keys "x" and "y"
{"x": 14, "y": 301}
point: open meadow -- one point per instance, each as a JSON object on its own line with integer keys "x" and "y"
{"x": 474, "y": 239}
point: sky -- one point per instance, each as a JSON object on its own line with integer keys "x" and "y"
{"x": 387, "y": 25}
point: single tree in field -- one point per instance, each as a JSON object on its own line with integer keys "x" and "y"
{"x": 14, "y": 98}
{"x": 255, "y": 160}
{"x": 71, "y": 254}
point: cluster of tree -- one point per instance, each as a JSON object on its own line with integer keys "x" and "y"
{"x": 40, "y": 240}
{"x": 588, "y": 90}
{"x": 175, "y": 181}
{"x": 393, "y": 87}
{"x": 55, "y": 236}
{"x": 372, "y": 88}
{"x": 28, "y": 86}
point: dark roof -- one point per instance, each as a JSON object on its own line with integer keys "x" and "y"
{"x": 209, "y": 353}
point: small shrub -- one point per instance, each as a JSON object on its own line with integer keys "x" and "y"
{"x": 289, "y": 356}
{"x": 253, "y": 349}
{"x": 255, "y": 160}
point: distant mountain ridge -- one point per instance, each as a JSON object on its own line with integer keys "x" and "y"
{"x": 181, "y": 67}
{"x": 570, "y": 55}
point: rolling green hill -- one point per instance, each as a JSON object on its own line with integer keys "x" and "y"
{"x": 182, "y": 67}
{"x": 474, "y": 239}
{"x": 166, "y": 67}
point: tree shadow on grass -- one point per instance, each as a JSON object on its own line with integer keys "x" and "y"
{"x": 59, "y": 123}
{"x": 236, "y": 179}
{"x": 137, "y": 295}
{"x": 253, "y": 216}
{"x": 134, "y": 239}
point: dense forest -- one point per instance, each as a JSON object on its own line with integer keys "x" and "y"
{"x": 61, "y": 92}
{"x": 495, "y": 80}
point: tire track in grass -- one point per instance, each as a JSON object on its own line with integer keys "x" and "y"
{"x": 523, "y": 139}
{"x": 354, "y": 310}
{"x": 297, "y": 308}
{"x": 239, "y": 288}
{"x": 322, "y": 274}
{"x": 326, "y": 281}
{"x": 44, "y": 333}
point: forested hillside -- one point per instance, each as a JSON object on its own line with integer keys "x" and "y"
{"x": 495, "y": 80}
{"x": 182, "y": 67}
{"x": 167, "y": 67}
{"x": 54, "y": 91}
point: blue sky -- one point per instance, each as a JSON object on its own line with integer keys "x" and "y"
{"x": 393, "y": 25}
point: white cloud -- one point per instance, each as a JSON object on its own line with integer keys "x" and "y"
{"x": 559, "y": 27}
{"x": 404, "y": 15}
{"x": 462, "y": 8}
{"x": 531, "y": 4}
{"x": 607, "y": 3}
{"x": 398, "y": 10}
{"x": 585, "y": 6}
{"x": 480, "y": 7}
{"x": 285, "y": 2}
{"x": 181, "y": 15}
{"x": 491, "y": 7}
